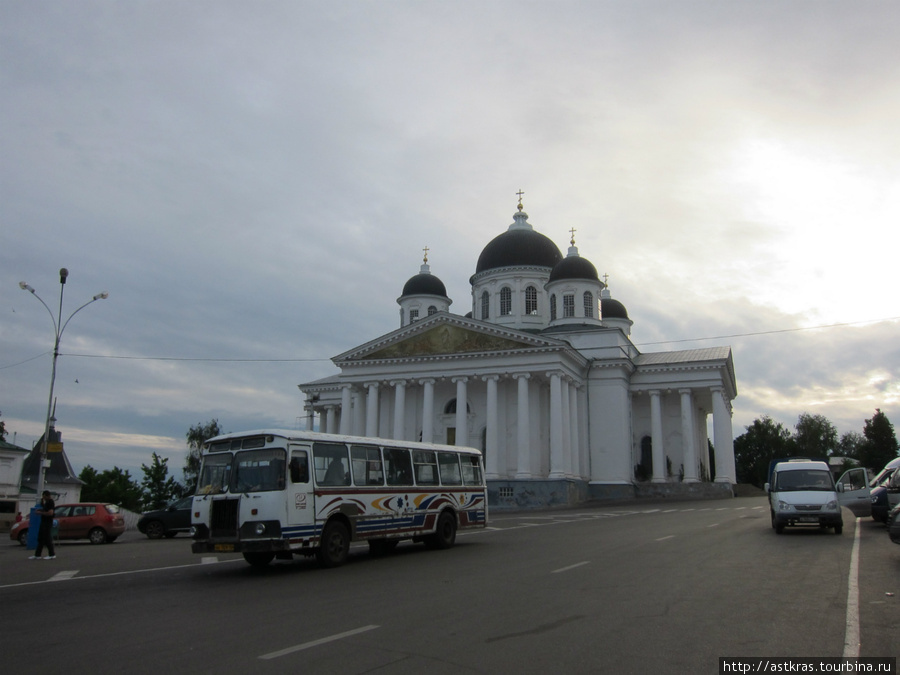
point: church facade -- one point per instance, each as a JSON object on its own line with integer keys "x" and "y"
{"x": 543, "y": 377}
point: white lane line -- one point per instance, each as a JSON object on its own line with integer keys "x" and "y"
{"x": 851, "y": 636}
{"x": 209, "y": 560}
{"x": 571, "y": 567}
{"x": 671, "y": 536}
{"x": 316, "y": 643}
{"x": 62, "y": 576}
{"x": 713, "y": 525}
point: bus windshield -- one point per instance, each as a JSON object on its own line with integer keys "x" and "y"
{"x": 258, "y": 470}
{"x": 214, "y": 474}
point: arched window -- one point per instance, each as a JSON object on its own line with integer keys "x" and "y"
{"x": 569, "y": 304}
{"x": 589, "y": 304}
{"x": 450, "y": 408}
{"x": 553, "y": 307}
{"x": 432, "y": 310}
{"x": 531, "y": 307}
{"x": 505, "y": 301}
{"x": 485, "y": 305}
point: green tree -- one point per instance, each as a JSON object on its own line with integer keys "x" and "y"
{"x": 880, "y": 446}
{"x": 815, "y": 436}
{"x": 196, "y": 437}
{"x": 850, "y": 444}
{"x": 158, "y": 487}
{"x": 113, "y": 486}
{"x": 3, "y": 431}
{"x": 763, "y": 441}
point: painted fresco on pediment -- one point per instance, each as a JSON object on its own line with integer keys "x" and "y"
{"x": 446, "y": 340}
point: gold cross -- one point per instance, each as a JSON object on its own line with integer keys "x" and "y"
{"x": 572, "y": 231}
{"x": 520, "y": 193}
{"x": 426, "y": 254}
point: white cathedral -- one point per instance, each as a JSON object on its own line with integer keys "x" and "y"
{"x": 543, "y": 377}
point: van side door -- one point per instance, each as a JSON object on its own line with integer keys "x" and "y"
{"x": 300, "y": 500}
{"x": 856, "y": 494}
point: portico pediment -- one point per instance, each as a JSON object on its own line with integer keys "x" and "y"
{"x": 439, "y": 336}
{"x": 446, "y": 340}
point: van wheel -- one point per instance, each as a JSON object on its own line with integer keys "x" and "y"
{"x": 334, "y": 546}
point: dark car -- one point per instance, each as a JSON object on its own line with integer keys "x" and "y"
{"x": 167, "y": 522}
{"x": 880, "y": 506}
{"x": 99, "y": 523}
{"x": 893, "y": 524}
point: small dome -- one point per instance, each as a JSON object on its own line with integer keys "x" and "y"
{"x": 612, "y": 309}
{"x": 424, "y": 284}
{"x": 520, "y": 245}
{"x": 574, "y": 267}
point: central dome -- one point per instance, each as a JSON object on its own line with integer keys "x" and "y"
{"x": 425, "y": 284}
{"x": 520, "y": 245}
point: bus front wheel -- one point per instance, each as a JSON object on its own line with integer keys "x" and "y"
{"x": 445, "y": 534}
{"x": 258, "y": 559}
{"x": 334, "y": 547}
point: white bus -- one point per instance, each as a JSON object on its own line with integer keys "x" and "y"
{"x": 275, "y": 494}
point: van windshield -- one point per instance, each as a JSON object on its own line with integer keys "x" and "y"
{"x": 804, "y": 479}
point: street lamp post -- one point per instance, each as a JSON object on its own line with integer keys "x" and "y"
{"x": 58, "y": 328}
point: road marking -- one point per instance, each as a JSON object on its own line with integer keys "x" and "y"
{"x": 571, "y": 567}
{"x": 851, "y": 636}
{"x": 62, "y": 576}
{"x": 316, "y": 643}
{"x": 671, "y": 536}
{"x": 209, "y": 560}
{"x": 713, "y": 525}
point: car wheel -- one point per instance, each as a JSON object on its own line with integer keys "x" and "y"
{"x": 445, "y": 534}
{"x": 97, "y": 535}
{"x": 779, "y": 529}
{"x": 23, "y": 537}
{"x": 838, "y": 528}
{"x": 334, "y": 546}
{"x": 154, "y": 529}
{"x": 259, "y": 559}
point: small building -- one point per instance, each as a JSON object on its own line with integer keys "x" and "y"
{"x": 12, "y": 458}
{"x": 59, "y": 477}
{"x": 543, "y": 377}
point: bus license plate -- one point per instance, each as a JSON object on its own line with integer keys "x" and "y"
{"x": 225, "y": 548}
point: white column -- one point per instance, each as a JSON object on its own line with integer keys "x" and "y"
{"x": 346, "y": 410}
{"x": 310, "y": 414}
{"x": 399, "y": 409}
{"x": 523, "y": 439}
{"x": 723, "y": 438}
{"x": 688, "y": 441}
{"x": 372, "y": 409}
{"x": 557, "y": 450}
{"x": 427, "y": 410}
{"x": 656, "y": 438}
{"x": 572, "y": 466}
{"x": 331, "y": 419}
{"x": 462, "y": 419}
{"x": 491, "y": 460}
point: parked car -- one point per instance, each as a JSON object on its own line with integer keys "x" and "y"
{"x": 893, "y": 524}
{"x": 880, "y": 506}
{"x": 98, "y": 523}
{"x": 167, "y": 522}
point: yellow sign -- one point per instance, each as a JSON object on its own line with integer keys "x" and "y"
{"x": 54, "y": 447}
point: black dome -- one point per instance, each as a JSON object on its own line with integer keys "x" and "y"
{"x": 612, "y": 309}
{"x": 518, "y": 247}
{"x": 574, "y": 267}
{"x": 424, "y": 284}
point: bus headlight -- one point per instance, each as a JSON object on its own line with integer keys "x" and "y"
{"x": 260, "y": 528}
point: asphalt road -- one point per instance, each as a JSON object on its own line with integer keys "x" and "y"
{"x": 650, "y": 588}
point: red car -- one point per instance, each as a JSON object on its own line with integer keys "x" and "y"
{"x": 100, "y": 523}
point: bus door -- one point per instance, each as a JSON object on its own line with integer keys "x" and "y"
{"x": 299, "y": 495}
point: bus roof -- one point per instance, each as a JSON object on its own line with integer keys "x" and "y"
{"x": 294, "y": 435}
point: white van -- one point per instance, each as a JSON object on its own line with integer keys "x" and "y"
{"x": 803, "y": 492}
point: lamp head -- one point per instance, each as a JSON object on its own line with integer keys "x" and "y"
{"x": 25, "y": 287}
{"x": 101, "y": 296}
{"x": 63, "y": 273}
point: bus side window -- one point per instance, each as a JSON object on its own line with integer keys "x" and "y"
{"x": 399, "y": 468}
{"x": 299, "y": 466}
{"x": 366, "y": 463}
{"x": 449, "y": 466}
{"x": 426, "y": 467}
{"x": 331, "y": 464}
{"x": 471, "y": 470}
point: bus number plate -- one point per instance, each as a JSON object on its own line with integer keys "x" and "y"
{"x": 225, "y": 548}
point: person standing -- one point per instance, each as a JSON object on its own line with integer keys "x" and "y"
{"x": 45, "y": 531}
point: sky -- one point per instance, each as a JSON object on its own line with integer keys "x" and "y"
{"x": 253, "y": 184}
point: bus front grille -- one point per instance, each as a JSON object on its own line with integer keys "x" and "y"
{"x": 224, "y": 518}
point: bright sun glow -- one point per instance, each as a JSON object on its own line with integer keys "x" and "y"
{"x": 831, "y": 221}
